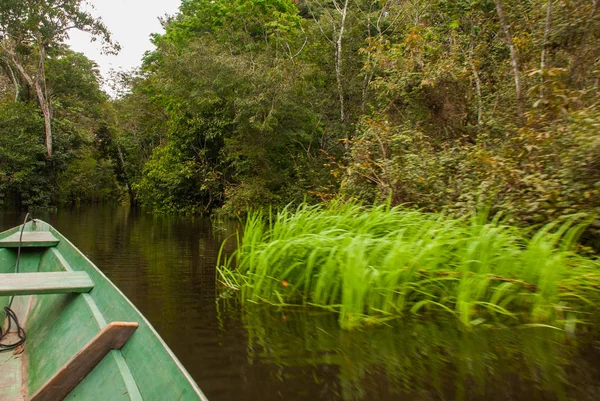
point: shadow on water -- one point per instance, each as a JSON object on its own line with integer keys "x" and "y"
{"x": 166, "y": 266}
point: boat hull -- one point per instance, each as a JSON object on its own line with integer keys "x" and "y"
{"x": 59, "y": 325}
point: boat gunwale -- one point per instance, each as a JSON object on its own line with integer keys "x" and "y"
{"x": 29, "y": 226}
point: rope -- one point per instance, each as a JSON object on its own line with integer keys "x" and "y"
{"x": 12, "y": 317}
{"x": 10, "y": 314}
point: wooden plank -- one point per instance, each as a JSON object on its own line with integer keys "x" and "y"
{"x": 31, "y": 239}
{"x": 45, "y": 283}
{"x": 59, "y": 328}
{"x": 11, "y": 372}
{"x": 122, "y": 366}
{"x": 112, "y": 337}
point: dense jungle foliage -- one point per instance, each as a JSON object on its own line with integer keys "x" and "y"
{"x": 252, "y": 103}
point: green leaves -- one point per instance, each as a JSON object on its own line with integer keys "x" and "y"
{"x": 24, "y": 22}
{"x": 246, "y": 24}
{"x": 237, "y": 109}
{"x": 377, "y": 264}
{"x": 23, "y": 171}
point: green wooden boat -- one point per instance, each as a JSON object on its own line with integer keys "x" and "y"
{"x": 84, "y": 339}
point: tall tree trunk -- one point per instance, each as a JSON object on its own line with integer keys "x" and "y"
{"x": 13, "y": 78}
{"x": 477, "y": 88}
{"x": 545, "y": 45}
{"x": 367, "y": 77}
{"x": 513, "y": 57}
{"x": 365, "y": 89}
{"x": 586, "y": 34}
{"x": 475, "y": 76}
{"x": 39, "y": 91}
{"x": 43, "y": 99}
{"x": 47, "y": 117}
{"x": 19, "y": 67}
{"x": 339, "y": 65}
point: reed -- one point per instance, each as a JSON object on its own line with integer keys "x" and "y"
{"x": 375, "y": 264}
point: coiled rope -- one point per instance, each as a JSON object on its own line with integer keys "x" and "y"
{"x": 12, "y": 317}
{"x": 10, "y": 314}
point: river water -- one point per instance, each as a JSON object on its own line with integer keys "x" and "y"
{"x": 166, "y": 266}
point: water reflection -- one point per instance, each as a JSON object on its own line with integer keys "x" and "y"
{"x": 420, "y": 361}
{"x": 166, "y": 266}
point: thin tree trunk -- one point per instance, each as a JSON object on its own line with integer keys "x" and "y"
{"x": 43, "y": 99}
{"x": 15, "y": 82}
{"x": 513, "y": 57}
{"x": 369, "y": 74}
{"x": 477, "y": 88}
{"x": 47, "y": 118}
{"x": 127, "y": 184}
{"x": 37, "y": 85}
{"x": 367, "y": 78}
{"x": 545, "y": 45}
{"x": 19, "y": 67}
{"x": 586, "y": 34}
{"x": 339, "y": 65}
{"x": 365, "y": 90}
{"x": 476, "y": 76}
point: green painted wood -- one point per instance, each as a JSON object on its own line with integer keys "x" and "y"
{"x": 105, "y": 382}
{"x": 112, "y": 337}
{"x": 111, "y": 375}
{"x": 11, "y": 373}
{"x": 31, "y": 239}
{"x": 7, "y": 264}
{"x": 132, "y": 389}
{"x": 8, "y": 258}
{"x": 155, "y": 369}
{"x": 59, "y": 325}
{"x": 45, "y": 283}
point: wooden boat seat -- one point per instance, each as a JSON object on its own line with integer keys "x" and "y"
{"x": 31, "y": 239}
{"x": 112, "y": 337}
{"x": 45, "y": 283}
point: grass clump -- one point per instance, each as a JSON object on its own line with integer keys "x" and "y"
{"x": 380, "y": 263}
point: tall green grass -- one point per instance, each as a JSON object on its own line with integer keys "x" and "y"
{"x": 380, "y": 263}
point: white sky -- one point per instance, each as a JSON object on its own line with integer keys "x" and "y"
{"x": 131, "y": 22}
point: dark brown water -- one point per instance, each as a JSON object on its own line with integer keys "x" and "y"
{"x": 166, "y": 266}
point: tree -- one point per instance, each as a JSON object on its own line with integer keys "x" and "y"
{"x": 514, "y": 57}
{"x": 337, "y": 19}
{"x": 23, "y": 178}
{"x": 29, "y": 27}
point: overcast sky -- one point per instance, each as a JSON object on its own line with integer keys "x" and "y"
{"x": 131, "y": 22}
